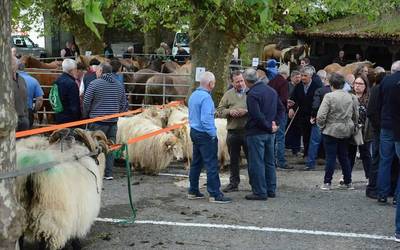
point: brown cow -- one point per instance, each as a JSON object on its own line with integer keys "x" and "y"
{"x": 348, "y": 68}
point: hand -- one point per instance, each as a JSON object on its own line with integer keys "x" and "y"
{"x": 312, "y": 120}
{"x": 290, "y": 103}
{"x": 234, "y": 113}
{"x": 242, "y": 112}
{"x": 274, "y": 127}
{"x": 291, "y": 113}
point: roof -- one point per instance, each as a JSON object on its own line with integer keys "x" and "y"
{"x": 384, "y": 28}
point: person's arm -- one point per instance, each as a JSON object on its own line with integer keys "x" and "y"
{"x": 284, "y": 92}
{"x": 316, "y": 102}
{"x": 373, "y": 112}
{"x": 356, "y": 114}
{"x": 87, "y": 100}
{"x": 207, "y": 116}
{"x": 255, "y": 112}
{"x": 223, "y": 107}
{"x": 323, "y": 112}
{"x": 38, "y": 95}
{"x": 280, "y": 113}
{"x": 123, "y": 101}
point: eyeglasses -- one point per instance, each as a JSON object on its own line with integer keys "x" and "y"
{"x": 359, "y": 83}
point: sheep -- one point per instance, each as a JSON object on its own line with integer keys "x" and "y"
{"x": 61, "y": 203}
{"x": 152, "y": 154}
{"x": 180, "y": 114}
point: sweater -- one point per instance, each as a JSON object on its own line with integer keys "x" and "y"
{"x": 232, "y": 100}
{"x": 281, "y": 87}
{"x": 201, "y": 112}
{"x": 263, "y": 107}
{"x": 69, "y": 93}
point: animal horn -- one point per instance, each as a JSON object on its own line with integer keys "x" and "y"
{"x": 102, "y": 140}
{"x": 58, "y": 135}
{"x": 85, "y": 137}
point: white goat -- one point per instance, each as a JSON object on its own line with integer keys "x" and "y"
{"x": 61, "y": 203}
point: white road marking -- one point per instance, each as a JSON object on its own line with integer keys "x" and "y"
{"x": 253, "y": 228}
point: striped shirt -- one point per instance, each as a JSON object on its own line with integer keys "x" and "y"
{"x": 104, "y": 96}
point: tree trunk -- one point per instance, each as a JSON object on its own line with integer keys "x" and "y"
{"x": 212, "y": 49}
{"x": 11, "y": 211}
{"x": 151, "y": 40}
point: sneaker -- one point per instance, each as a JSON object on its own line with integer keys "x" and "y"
{"x": 230, "y": 188}
{"x": 109, "y": 178}
{"x": 382, "y": 199}
{"x": 284, "y": 167}
{"x": 348, "y": 186}
{"x": 195, "y": 196}
{"x": 326, "y": 186}
{"x": 220, "y": 199}
{"x": 309, "y": 168}
{"x": 255, "y": 197}
{"x": 397, "y": 237}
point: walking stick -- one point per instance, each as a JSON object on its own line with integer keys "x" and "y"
{"x": 291, "y": 121}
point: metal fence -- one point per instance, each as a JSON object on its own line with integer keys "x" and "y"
{"x": 165, "y": 95}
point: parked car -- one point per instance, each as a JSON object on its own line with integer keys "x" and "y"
{"x": 25, "y": 46}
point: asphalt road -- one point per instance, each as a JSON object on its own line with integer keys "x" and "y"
{"x": 301, "y": 216}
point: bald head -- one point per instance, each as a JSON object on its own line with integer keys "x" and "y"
{"x": 395, "y": 67}
{"x": 207, "y": 80}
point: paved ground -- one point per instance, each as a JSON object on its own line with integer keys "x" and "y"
{"x": 329, "y": 218}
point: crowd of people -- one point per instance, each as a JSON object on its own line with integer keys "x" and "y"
{"x": 268, "y": 109}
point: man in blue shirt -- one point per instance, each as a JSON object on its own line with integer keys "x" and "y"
{"x": 33, "y": 91}
{"x": 205, "y": 143}
{"x": 265, "y": 110}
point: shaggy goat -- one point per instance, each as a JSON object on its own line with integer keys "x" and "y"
{"x": 62, "y": 202}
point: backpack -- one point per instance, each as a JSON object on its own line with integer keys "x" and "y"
{"x": 55, "y": 99}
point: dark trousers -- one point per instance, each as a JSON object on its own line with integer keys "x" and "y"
{"x": 23, "y": 123}
{"x": 110, "y": 130}
{"x": 306, "y": 132}
{"x": 235, "y": 140}
{"x": 336, "y": 147}
{"x": 373, "y": 170}
{"x": 293, "y": 138}
{"x": 365, "y": 156}
{"x": 205, "y": 150}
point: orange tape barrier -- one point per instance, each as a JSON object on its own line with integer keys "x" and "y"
{"x": 36, "y": 131}
{"x": 146, "y": 136}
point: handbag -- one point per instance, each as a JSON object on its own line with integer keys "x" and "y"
{"x": 357, "y": 137}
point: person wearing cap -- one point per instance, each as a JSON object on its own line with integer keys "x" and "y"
{"x": 262, "y": 74}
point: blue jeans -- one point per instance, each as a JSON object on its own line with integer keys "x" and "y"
{"x": 110, "y": 130}
{"x": 387, "y": 151}
{"x": 315, "y": 141}
{"x": 280, "y": 142}
{"x": 397, "y": 148}
{"x": 205, "y": 150}
{"x": 336, "y": 147}
{"x": 262, "y": 172}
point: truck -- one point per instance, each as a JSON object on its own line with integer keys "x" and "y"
{"x": 182, "y": 39}
{"x": 25, "y": 46}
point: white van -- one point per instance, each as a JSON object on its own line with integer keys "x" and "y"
{"x": 182, "y": 39}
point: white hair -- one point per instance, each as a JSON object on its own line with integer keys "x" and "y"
{"x": 308, "y": 71}
{"x": 206, "y": 78}
{"x": 68, "y": 65}
{"x": 322, "y": 74}
{"x": 250, "y": 75}
{"x": 395, "y": 67}
{"x": 283, "y": 69}
{"x": 379, "y": 69}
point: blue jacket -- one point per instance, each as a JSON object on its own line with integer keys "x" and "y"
{"x": 263, "y": 107}
{"x": 69, "y": 93}
{"x": 201, "y": 112}
{"x": 386, "y": 87}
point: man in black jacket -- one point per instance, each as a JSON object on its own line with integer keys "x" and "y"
{"x": 303, "y": 96}
{"x": 265, "y": 111}
{"x": 387, "y": 143}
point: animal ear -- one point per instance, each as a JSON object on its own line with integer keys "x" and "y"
{"x": 171, "y": 142}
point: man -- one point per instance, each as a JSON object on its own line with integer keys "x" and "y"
{"x": 108, "y": 51}
{"x": 281, "y": 86}
{"x": 67, "y": 52}
{"x": 262, "y": 74}
{"x": 303, "y": 96}
{"x": 205, "y": 143}
{"x": 340, "y": 60}
{"x": 233, "y": 107}
{"x": 20, "y": 100}
{"x": 387, "y": 143}
{"x": 69, "y": 93}
{"x": 128, "y": 54}
{"x": 315, "y": 138}
{"x": 348, "y": 84}
{"x": 305, "y": 62}
{"x": 34, "y": 91}
{"x": 91, "y": 73}
{"x": 264, "y": 111}
{"x": 105, "y": 96}
{"x": 395, "y": 112}
{"x": 293, "y": 135}
{"x": 116, "y": 70}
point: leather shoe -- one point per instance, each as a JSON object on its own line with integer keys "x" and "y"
{"x": 271, "y": 195}
{"x": 255, "y": 197}
{"x": 230, "y": 188}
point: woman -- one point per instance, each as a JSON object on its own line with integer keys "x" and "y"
{"x": 360, "y": 89}
{"x": 336, "y": 117}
